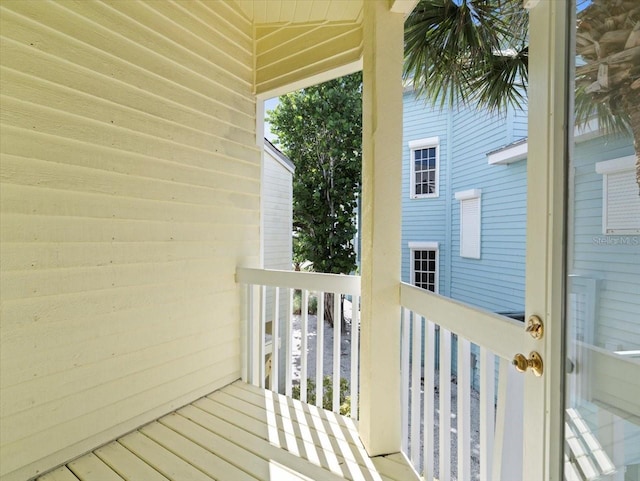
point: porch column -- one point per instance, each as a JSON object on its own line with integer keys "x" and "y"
{"x": 381, "y": 214}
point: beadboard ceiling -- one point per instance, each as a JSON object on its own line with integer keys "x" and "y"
{"x": 264, "y": 12}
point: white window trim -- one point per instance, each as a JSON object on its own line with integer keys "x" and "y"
{"x": 520, "y": 150}
{"x": 508, "y": 155}
{"x": 464, "y": 196}
{"x": 423, "y": 144}
{"x": 422, "y": 246}
{"x": 468, "y": 194}
{"x": 614, "y": 166}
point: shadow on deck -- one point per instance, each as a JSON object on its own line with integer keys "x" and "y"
{"x": 239, "y": 433}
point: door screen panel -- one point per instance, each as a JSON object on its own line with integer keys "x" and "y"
{"x": 602, "y": 403}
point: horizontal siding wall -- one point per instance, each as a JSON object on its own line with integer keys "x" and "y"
{"x": 614, "y": 265}
{"x": 424, "y": 219}
{"x": 278, "y": 214}
{"x": 519, "y": 123}
{"x": 130, "y": 193}
{"x": 278, "y": 224}
{"x": 496, "y": 280}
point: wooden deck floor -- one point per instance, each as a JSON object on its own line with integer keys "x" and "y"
{"x": 239, "y": 433}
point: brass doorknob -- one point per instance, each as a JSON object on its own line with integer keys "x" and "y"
{"x": 534, "y": 363}
{"x": 535, "y": 327}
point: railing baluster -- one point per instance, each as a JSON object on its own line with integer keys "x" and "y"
{"x": 245, "y": 337}
{"x": 416, "y": 367}
{"x": 255, "y": 337}
{"x": 429, "y": 404}
{"x": 275, "y": 341}
{"x": 499, "y": 451}
{"x": 464, "y": 409}
{"x": 337, "y": 324}
{"x": 320, "y": 350}
{"x": 507, "y": 445}
{"x": 261, "y": 286}
{"x": 355, "y": 353}
{"x": 262, "y": 319}
{"x": 445, "y": 405}
{"x": 404, "y": 379}
{"x": 487, "y": 412}
{"x": 304, "y": 314}
{"x": 288, "y": 363}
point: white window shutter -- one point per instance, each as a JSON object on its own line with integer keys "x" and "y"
{"x": 622, "y": 203}
{"x": 470, "y": 220}
{"x": 620, "y": 200}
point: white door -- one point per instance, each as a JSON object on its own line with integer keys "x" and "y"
{"x": 584, "y": 273}
{"x": 521, "y": 411}
{"x": 602, "y": 300}
{"x": 577, "y": 417}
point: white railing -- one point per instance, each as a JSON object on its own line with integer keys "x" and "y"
{"x": 452, "y": 431}
{"x": 283, "y": 351}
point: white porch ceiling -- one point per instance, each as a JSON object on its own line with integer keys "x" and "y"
{"x": 264, "y": 12}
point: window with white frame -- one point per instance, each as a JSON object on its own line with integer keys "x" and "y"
{"x": 470, "y": 222}
{"x": 425, "y": 167}
{"x": 424, "y": 265}
{"x": 620, "y": 199}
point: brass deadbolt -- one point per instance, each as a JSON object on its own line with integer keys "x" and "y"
{"x": 535, "y": 327}
{"x": 534, "y": 363}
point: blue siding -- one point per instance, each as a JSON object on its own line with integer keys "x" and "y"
{"x": 615, "y": 265}
{"x": 496, "y": 280}
{"x": 520, "y": 124}
{"x": 424, "y": 220}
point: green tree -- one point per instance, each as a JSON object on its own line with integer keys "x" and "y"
{"x": 320, "y": 129}
{"x": 476, "y": 52}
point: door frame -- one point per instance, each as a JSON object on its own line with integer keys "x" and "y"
{"x": 546, "y": 234}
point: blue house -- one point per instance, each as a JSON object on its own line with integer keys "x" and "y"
{"x": 464, "y": 221}
{"x": 464, "y": 216}
{"x": 463, "y": 227}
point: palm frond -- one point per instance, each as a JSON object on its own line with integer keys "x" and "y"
{"x": 471, "y": 51}
{"x": 611, "y": 121}
{"x": 502, "y": 81}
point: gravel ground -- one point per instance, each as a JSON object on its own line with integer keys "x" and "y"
{"x": 345, "y": 371}
{"x": 475, "y": 432}
{"x": 327, "y": 366}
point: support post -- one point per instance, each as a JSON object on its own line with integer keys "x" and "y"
{"x": 381, "y": 216}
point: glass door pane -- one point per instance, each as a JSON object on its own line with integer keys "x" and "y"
{"x": 602, "y": 415}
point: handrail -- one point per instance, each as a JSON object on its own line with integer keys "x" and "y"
{"x": 440, "y": 338}
{"x": 273, "y": 356}
{"x": 458, "y": 317}
{"x": 311, "y": 281}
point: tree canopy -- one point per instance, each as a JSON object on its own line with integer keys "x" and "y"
{"x": 320, "y": 129}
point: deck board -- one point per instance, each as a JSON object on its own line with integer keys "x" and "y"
{"x": 232, "y": 453}
{"x": 299, "y": 434}
{"x": 91, "y": 467}
{"x": 60, "y": 474}
{"x": 197, "y": 456}
{"x": 239, "y": 433}
{"x": 312, "y": 433}
{"x": 163, "y": 460}
{"x": 258, "y": 446}
{"x": 127, "y": 464}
